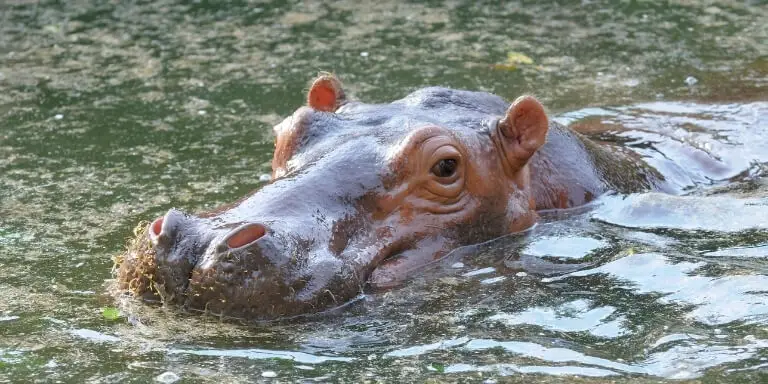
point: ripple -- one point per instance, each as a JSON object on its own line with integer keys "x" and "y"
{"x": 574, "y": 316}
{"x": 760, "y": 251}
{"x": 566, "y": 247}
{"x": 717, "y": 300}
{"x": 511, "y": 369}
{"x": 91, "y": 335}
{"x": 656, "y": 210}
{"x": 262, "y": 354}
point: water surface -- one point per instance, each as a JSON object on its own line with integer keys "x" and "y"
{"x": 112, "y": 113}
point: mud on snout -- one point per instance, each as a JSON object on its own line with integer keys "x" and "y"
{"x": 241, "y": 292}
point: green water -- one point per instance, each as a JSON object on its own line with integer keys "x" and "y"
{"x": 113, "y": 112}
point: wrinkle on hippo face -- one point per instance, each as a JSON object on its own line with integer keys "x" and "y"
{"x": 363, "y": 194}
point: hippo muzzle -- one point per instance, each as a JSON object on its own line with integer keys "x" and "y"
{"x": 286, "y": 250}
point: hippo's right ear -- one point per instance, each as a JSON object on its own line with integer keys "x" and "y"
{"x": 326, "y": 94}
{"x": 523, "y": 130}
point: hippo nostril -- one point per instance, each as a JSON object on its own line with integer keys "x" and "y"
{"x": 160, "y": 230}
{"x": 245, "y": 235}
{"x": 157, "y": 226}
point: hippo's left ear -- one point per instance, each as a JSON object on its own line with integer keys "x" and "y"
{"x": 326, "y": 94}
{"x": 523, "y": 130}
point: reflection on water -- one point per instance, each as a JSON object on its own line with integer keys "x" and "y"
{"x": 261, "y": 354}
{"x": 574, "y": 316}
{"x": 111, "y": 113}
{"x": 711, "y": 213}
{"x": 679, "y": 362}
{"x": 759, "y": 251}
{"x": 717, "y": 300}
{"x": 563, "y": 247}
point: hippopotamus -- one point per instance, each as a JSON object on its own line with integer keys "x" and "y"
{"x": 363, "y": 194}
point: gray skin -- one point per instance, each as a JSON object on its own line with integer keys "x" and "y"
{"x": 333, "y": 223}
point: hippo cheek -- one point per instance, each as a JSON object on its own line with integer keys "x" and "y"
{"x": 407, "y": 260}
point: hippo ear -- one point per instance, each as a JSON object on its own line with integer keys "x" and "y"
{"x": 524, "y": 129}
{"x": 326, "y": 94}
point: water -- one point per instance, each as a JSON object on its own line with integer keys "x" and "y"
{"x": 112, "y": 113}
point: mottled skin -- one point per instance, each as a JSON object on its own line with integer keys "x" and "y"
{"x": 364, "y": 193}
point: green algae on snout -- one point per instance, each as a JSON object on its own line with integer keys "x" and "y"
{"x": 136, "y": 268}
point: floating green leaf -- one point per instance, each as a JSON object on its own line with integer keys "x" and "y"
{"x": 518, "y": 58}
{"x": 513, "y": 61}
{"x": 110, "y": 313}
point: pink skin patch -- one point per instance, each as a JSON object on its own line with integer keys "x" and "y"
{"x": 246, "y": 235}
{"x": 156, "y": 226}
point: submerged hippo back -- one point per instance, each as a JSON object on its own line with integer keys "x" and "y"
{"x": 570, "y": 170}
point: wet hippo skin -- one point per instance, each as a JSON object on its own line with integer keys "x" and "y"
{"x": 362, "y": 194}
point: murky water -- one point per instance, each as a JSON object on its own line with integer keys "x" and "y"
{"x": 112, "y": 113}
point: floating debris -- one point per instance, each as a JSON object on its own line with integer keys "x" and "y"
{"x": 482, "y": 271}
{"x": 167, "y": 377}
{"x": 513, "y": 61}
{"x": 110, "y": 313}
{"x": 493, "y": 280}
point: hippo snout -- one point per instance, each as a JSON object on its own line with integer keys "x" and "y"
{"x": 237, "y": 268}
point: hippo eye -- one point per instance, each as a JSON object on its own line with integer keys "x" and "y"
{"x": 444, "y": 168}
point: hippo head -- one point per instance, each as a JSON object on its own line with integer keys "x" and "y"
{"x": 361, "y": 194}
